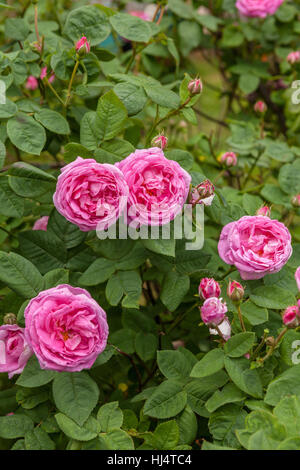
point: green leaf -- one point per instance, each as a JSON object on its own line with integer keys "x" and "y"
{"x": 84, "y": 432}
{"x": 212, "y": 362}
{"x": 224, "y": 422}
{"x": 2, "y": 154}
{"x": 272, "y": 297}
{"x": 88, "y": 21}
{"x": 162, "y": 95}
{"x": 33, "y": 376}
{"x": 37, "y": 439}
{"x": 111, "y": 116}
{"x": 14, "y": 426}
{"x": 133, "y": 98}
{"x": 20, "y": 275}
{"x": 174, "y": 289}
{"x": 131, "y": 27}
{"x": 167, "y": 400}
{"x": 89, "y": 136}
{"x": 53, "y": 121}
{"x": 166, "y": 435}
{"x": 74, "y": 150}
{"x": 11, "y": 205}
{"x": 127, "y": 283}
{"x": 246, "y": 379}
{"x": 184, "y": 158}
{"x": 124, "y": 340}
{"x": 68, "y": 233}
{"x": 289, "y": 179}
{"x": 240, "y": 344}
{"x": 8, "y": 109}
{"x": 288, "y": 413}
{"x": 229, "y": 394}
{"x": 75, "y": 394}
{"x": 146, "y": 345}
{"x": 162, "y": 247}
{"x": 26, "y": 134}
{"x": 99, "y": 271}
{"x": 173, "y": 364}
{"x": 285, "y": 384}
{"x": 113, "y": 151}
{"x": 254, "y": 314}
{"x": 117, "y": 439}
{"x": 55, "y": 277}
{"x": 248, "y": 83}
{"x": 28, "y": 181}
{"x": 188, "y": 426}
{"x": 16, "y": 28}
{"x": 110, "y": 416}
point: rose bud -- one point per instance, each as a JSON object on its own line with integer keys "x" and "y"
{"x": 178, "y": 344}
{"x": 195, "y": 86}
{"x": 265, "y": 211}
{"x": 208, "y": 287}
{"x": 41, "y": 223}
{"x": 44, "y": 74}
{"x": 31, "y": 83}
{"x": 225, "y": 329}
{"x": 235, "y": 291}
{"x": 297, "y": 277}
{"x": 291, "y": 316}
{"x": 83, "y": 46}
{"x": 213, "y": 311}
{"x": 260, "y": 107}
{"x": 10, "y": 319}
{"x": 293, "y": 57}
{"x": 203, "y": 193}
{"x": 296, "y": 200}
{"x": 160, "y": 141}
{"x": 229, "y": 159}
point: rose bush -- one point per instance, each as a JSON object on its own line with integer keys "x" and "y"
{"x": 118, "y": 329}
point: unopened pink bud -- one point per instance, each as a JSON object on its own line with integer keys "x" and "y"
{"x": 208, "y": 287}
{"x": 83, "y": 46}
{"x": 235, "y": 291}
{"x": 260, "y": 107}
{"x": 31, "y": 83}
{"x": 293, "y": 57}
{"x": 160, "y": 141}
{"x": 291, "y": 316}
{"x": 296, "y": 200}
{"x": 229, "y": 159}
{"x": 264, "y": 211}
{"x": 203, "y": 193}
{"x": 44, "y": 72}
{"x": 195, "y": 86}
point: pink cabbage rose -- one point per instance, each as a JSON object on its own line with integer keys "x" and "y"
{"x": 224, "y": 327}
{"x": 158, "y": 186}
{"x": 213, "y": 311}
{"x": 256, "y": 246}
{"x": 208, "y": 287}
{"x": 297, "y": 277}
{"x": 14, "y": 350}
{"x": 258, "y": 8}
{"x": 90, "y": 194}
{"x": 66, "y": 328}
{"x": 41, "y": 224}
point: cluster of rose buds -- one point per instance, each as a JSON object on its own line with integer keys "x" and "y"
{"x": 265, "y": 211}
{"x": 195, "y": 86}
{"x": 260, "y": 107}
{"x": 293, "y": 57}
{"x": 235, "y": 291}
{"x": 203, "y": 193}
{"x": 228, "y": 159}
{"x": 83, "y": 46}
{"x": 208, "y": 287}
{"x": 160, "y": 141}
{"x": 296, "y": 200}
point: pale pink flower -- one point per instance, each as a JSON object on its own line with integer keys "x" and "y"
{"x": 256, "y": 246}
{"x": 291, "y": 316}
{"x": 14, "y": 350}
{"x": 224, "y": 327}
{"x": 208, "y": 287}
{"x": 293, "y": 57}
{"x": 213, "y": 311}
{"x": 41, "y": 224}
{"x": 66, "y": 328}
{"x": 229, "y": 159}
{"x": 258, "y": 8}
{"x": 31, "y": 83}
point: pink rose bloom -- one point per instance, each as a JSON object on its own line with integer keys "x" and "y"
{"x": 158, "y": 186}
{"x": 213, "y": 311}
{"x": 229, "y": 159}
{"x": 14, "y": 350}
{"x": 225, "y": 329}
{"x": 258, "y": 8}
{"x": 293, "y": 57}
{"x": 297, "y": 277}
{"x": 83, "y": 44}
{"x": 44, "y": 74}
{"x": 256, "y": 246}
{"x": 208, "y": 287}
{"x": 91, "y": 195}
{"x": 31, "y": 83}
{"x": 41, "y": 224}
{"x": 66, "y": 328}
{"x": 203, "y": 193}
{"x": 291, "y": 316}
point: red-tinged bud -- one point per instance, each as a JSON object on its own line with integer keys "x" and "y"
{"x": 229, "y": 159}
{"x": 83, "y": 46}
{"x": 296, "y": 200}
{"x": 260, "y": 107}
{"x": 235, "y": 291}
{"x": 264, "y": 211}
{"x": 203, "y": 193}
{"x": 208, "y": 287}
{"x": 160, "y": 141}
{"x": 195, "y": 86}
{"x": 291, "y": 316}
